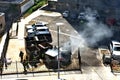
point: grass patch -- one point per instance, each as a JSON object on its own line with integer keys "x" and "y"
{"x": 37, "y": 5}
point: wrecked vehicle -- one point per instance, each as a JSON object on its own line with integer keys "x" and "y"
{"x": 51, "y": 58}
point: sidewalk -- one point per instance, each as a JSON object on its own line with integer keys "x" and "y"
{"x": 88, "y": 74}
{"x": 54, "y": 77}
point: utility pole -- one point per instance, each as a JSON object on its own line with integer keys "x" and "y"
{"x": 58, "y": 30}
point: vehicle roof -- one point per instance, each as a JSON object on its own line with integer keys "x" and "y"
{"x": 30, "y": 31}
{"x": 29, "y": 26}
{"x": 116, "y": 43}
{"x": 41, "y": 23}
{"x": 42, "y": 27}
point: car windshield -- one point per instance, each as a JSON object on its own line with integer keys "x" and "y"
{"x": 117, "y": 48}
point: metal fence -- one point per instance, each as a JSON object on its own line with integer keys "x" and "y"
{"x": 17, "y": 68}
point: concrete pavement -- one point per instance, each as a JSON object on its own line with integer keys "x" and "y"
{"x": 89, "y": 73}
{"x": 54, "y": 77}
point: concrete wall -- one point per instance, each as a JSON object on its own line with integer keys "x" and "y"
{"x": 26, "y": 5}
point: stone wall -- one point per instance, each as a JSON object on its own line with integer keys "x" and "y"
{"x": 25, "y": 5}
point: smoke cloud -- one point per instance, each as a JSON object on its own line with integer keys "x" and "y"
{"x": 93, "y": 32}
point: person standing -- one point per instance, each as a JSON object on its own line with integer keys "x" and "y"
{"x": 5, "y": 62}
{"x": 25, "y": 66}
{"x": 21, "y": 55}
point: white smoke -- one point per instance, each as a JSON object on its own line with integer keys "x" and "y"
{"x": 76, "y": 42}
{"x": 94, "y": 31}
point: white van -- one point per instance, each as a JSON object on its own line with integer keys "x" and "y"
{"x": 115, "y": 49}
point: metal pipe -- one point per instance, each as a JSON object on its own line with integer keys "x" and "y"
{"x": 58, "y": 54}
{"x": 58, "y": 31}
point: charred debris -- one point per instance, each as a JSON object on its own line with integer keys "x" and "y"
{"x": 39, "y": 48}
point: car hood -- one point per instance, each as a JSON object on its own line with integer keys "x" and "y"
{"x": 116, "y": 52}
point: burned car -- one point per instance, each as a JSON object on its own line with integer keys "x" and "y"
{"x": 51, "y": 58}
{"x": 38, "y": 34}
{"x": 43, "y": 34}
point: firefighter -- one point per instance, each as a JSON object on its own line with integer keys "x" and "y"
{"x": 21, "y": 55}
{"x": 25, "y": 66}
{"x": 35, "y": 58}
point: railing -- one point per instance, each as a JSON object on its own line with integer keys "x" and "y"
{"x": 18, "y": 69}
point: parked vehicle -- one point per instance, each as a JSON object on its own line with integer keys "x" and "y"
{"x": 30, "y": 33}
{"x": 43, "y": 34}
{"x": 28, "y": 27}
{"x": 115, "y": 50}
{"x": 39, "y": 32}
{"x": 65, "y": 14}
{"x": 86, "y": 16}
{"x": 39, "y": 24}
{"x": 81, "y": 16}
{"x": 113, "y": 56}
